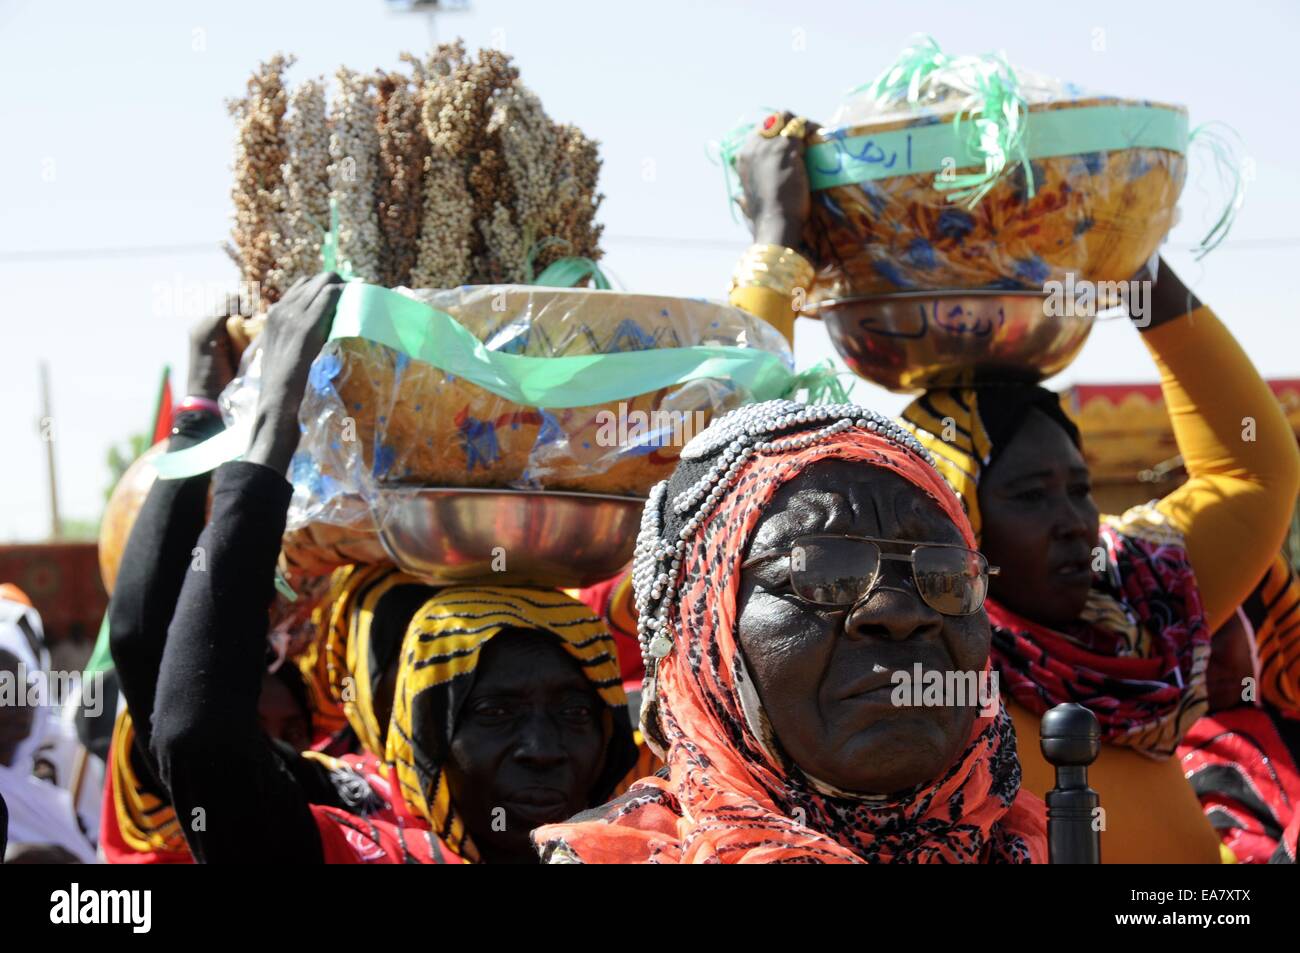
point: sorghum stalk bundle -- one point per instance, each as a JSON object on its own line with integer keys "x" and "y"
{"x": 450, "y": 174}
{"x": 403, "y": 148}
{"x": 260, "y": 154}
{"x": 306, "y": 185}
{"x": 354, "y": 171}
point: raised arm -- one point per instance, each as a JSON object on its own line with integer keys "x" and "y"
{"x": 152, "y": 567}
{"x": 236, "y": 800}
{"x": 1241, "y": 458}
{"x": 773, "y": 272}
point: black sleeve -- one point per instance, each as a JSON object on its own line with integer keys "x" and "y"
{"x": 149, "y": 580}
{"x": 236, "y": 798}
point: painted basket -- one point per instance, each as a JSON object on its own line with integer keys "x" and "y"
{"x": 1097, "y": 214}
{"x": 418, "y": 425}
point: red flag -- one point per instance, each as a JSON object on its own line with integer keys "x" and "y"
{"x": 162, "y": 418}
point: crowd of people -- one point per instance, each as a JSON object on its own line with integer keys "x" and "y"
{"x": 729, "y": 697}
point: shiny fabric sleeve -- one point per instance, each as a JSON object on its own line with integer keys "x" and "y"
{"x": 1241, "y": 458}
{"x": 772, "y": 306}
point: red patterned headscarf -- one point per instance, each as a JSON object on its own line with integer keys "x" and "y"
{"x": 727, "y": 796}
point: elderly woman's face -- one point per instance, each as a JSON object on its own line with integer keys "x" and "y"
{"x": 825, "y": 675}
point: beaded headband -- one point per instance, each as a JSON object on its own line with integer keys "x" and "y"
{"x": 771, "y": 427}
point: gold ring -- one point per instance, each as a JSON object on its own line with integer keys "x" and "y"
{"x": 770, "y": 127}
{"x": 796, "y": 128}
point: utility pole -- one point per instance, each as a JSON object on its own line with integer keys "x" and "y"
{"x": 46, "y": 429}
{"x": 430, "y": 9}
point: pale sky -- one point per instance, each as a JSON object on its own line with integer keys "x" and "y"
{"x": 115, "y": 166}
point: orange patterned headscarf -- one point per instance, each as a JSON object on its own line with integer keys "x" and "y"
{"x": 727, "y": 797}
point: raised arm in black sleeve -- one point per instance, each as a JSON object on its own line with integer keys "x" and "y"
{"x": 149, "y": 579}
{"x": 236, "y": 800}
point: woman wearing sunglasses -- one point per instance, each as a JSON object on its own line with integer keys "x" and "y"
{"x": 800, "y": 566}
{"x": 1112, "y": 612}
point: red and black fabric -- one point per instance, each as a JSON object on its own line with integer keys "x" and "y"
{"x": 1137, "y": 658}
{"x": 1246, "y": 778}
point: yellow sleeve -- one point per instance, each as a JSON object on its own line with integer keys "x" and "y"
{"x": 1241, "y": 458}
{"x": 1152, "y": 814}
{"x": 772, "y": 306}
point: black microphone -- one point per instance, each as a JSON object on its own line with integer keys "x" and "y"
{"x": 1071, "y": 740}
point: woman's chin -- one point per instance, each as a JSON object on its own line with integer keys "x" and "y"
{"x": 893, "y": 755}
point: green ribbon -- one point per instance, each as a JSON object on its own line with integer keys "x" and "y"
{"x": 903, "y": 77}
{"x": 1222, "y": 141}
{"x": 432, "y": 336}
{"x": 329, "y": 247}
{"x": 992, "y": 132}
{"x": 567, "y": 272}
{"x": 822, "y": 384}
{"x": 101, "y": 658}
{"x": 230, "y": 444}
{"x": 427, "y": 334}
{"x": 847, "y": 160}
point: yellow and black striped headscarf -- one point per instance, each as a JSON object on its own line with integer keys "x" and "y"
{"x": 146, "y": 823}
{"x": 326, "y": 711}
{"x": 1273, "y": 609}
{"x": 368, "y": 616}
{"x": 439, "y": 657}
{"x": 966, "y": 428}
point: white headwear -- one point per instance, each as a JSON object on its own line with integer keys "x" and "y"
{"x": 23, "y": 636}
{"x": 39, "y": 812}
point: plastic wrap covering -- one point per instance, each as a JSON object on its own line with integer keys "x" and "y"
{"x": 961, "y": 173}
{"x": 373, "y": 418}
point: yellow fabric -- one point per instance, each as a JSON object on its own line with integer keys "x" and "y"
{"x": 948, "y": 424}
{"x": 347, "y": 647}
{"x": 146, "y": 823}
{"x": 443, "y": 644}
{"x": 327, "y": 715}
{"x": 622, "y": 606}
{"x": 772, "y": 306}
{"x": 1152, "y": 815}
{"x": 1235, "y": 507}
{"x": 1277, "y": 636}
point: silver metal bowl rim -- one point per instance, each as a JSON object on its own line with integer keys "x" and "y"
{"x": 927, "y": 295}
{"x": 504, "y": 492}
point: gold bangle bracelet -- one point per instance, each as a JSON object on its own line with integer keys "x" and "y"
{"x": 773, "y": 266}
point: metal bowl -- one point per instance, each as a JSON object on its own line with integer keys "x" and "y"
{"x": 457, "y": 536}
{"x": 914, "y": 340}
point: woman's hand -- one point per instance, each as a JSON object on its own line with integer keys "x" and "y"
{"x": 774, "y": 180}
{"x": 212, "y": 358}
{"x": 296, "y": 330}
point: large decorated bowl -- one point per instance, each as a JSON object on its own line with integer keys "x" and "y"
{"x": 913, "y": 341}
{"x": 417, "y": 425}
{"x": 880, "y": 224}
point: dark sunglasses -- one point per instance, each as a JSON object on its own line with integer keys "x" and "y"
{"x": 841, "y": 571}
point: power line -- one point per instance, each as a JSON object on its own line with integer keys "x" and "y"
{"x": 662, "y": 241}
{"x": 123, "y": 251}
